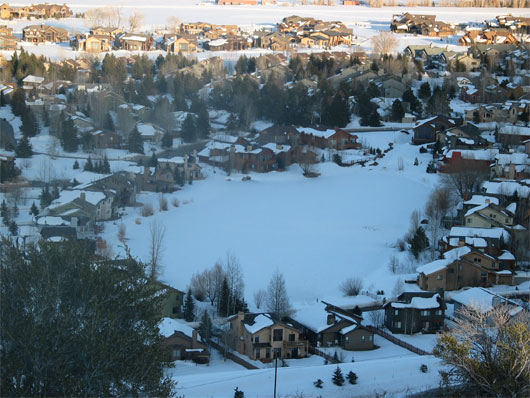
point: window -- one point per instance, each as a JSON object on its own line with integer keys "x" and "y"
{"x": 397, "y": 325}
{"x": 363, "y": 338}
{"x": 477, "y": 259}
{"x": 425, "y": 313}
{"x": 256, "y": 339}
{"x": 371, "y": 338}
{"x": 460, "y": 267}
{"x": 347, "y": 339}
{"x": 292, "y": 337}
{"x": 396, "y": 312}
{"x": 469, "y": 220}
{"x": 257, "y": 353}
{"x": 451, "y": 270}
{"x": 440, "y": 277}
{"x": 438, "y": 312}
{"x": 268, "y": 353}
{"x": 277, "y": 335}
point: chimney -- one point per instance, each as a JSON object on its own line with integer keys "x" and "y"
{"x": 331, "y": 319}
{"x": 487, "y": 201}
{"x": 249, "y": 148}
{"x": 279, "y": 147}
{"x": 194, "y": 339}
{"x": 82, "y": 195}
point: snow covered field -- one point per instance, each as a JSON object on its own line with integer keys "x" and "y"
{"x": 365, "y": 21}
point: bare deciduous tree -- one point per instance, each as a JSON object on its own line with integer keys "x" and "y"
{"x": 351, "y": 286}
{"x": 437, "y": 207}
{"x": 234, "y": 277}
{"x": 122, "y": 231}
{"x": 384, "y": 43}
{"x": 277, "y": 301}
{"x": 162, "y": 202}
{"x": 464, "y": 177}
{"x": 489, "y": 352}
{"x": 157, "y": 233}
{"x": 135, "y": 20}
{"x": 207, "y": 284}
{"x": 259, "y": 298}
{"x": 377, "y": 318}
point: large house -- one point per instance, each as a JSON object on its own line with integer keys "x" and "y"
{"x": 136, "y": 42}
{"x": 489, "y": 215}
{"x": 96, "y": 206}
{"x": 414, "y": 312}
{"x": 182, "y": 342}
{"x": 328, "y": 326}
{"x": 7, "y": 40}
{"x": 44, "y": 33}
{"x": 261, "y": 337}
{"x": 466, "y": 267}
{"x": 35, "y": 11}
{"x": 425, "y": 131}
{"x": 328, "y": 138}
{"x": 185, "y": 44}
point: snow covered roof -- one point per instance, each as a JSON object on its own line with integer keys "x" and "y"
{"x": 168, "y": 326}
{"x": 317, "y": 133}
{"x": 260, "y": 322}
{"x": 434, "y": 266}
{"x": 68, "y": 196}
{"x": 494, "y": 233}
{"x": 53, "y": 221}
{"x": 475, "y": 209}
{"x": 218, "y": 42}
{"x": 314, "y": 317}
{"x": 477, "y": 200}
{"x": 33, "y": 79}
{"x": 479, "y": 154}
{"x": 514, "y": 130}
{"x": 146, "y": 129}
{"x": 506, "y": 188}
{"x": 88, "y": 177}
{"x": 277, "y": 148}
{"x": 134, "y": 38}
{"x": 420, "y": 303}
{"x": 512, "y": 158}
{"x": 481, "y": 299}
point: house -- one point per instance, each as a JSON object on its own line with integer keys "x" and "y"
{"x": 181, "y": 44}
{"x": 513, "y": 135}
{"x": 35, "y": 11}
{"x": 410, "y": 23}
{"x": 325, "y": 327}
{"x": 172, "y": 301}
{"x": 182, "y": 342}
{"x": 489, "y": 240}
{"x": 328, "y": 138}
{"x": 261, "y": 337}
{"x": 511, "y": 166}
{"x": 425, "y": 130}
{"x": 7, "y": 40}
{"x": 44, "y": 33}
{"x": 489, "y": 215}
{"x": 121, "y": 183}
{"x": 94, "y": 206}
{"x": 414, "y": 312}
{"x": 93, "y": 43}
{"x": 136, "y": 42}
{"x": 482, "y": 300}
{"x": 463, "y": 267}
{"x": 455, "y": 160}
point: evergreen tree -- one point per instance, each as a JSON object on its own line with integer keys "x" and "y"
{"x": 338, "y": 378}
{"x": 2, "y": 99}
{"x": 13, "y": 228}
{"x": 153, "y": 162}
{"x": 69, "y": 138}
{"x": 397, "y": 111}
{"x": 425, "y": 91}
{"x": 167, "y": 140}
{"x": 34, "y": 210}
{"x": 18, "y": 102}
{"x": 189, "y": 129}
{"x": 15, "y": 211}
{"x": 203, "y": 122}
{"x": 223, "y": 307}
{"x": 352, "y": 377}
{"x": 241, "y": 65}
{"x": 438, "y": 104}
{"x": 23, "y": 148}
{"x": 29, "y": 123}
{"x": 189, "y": 308}
{"x": 136, "y": 144}
{"x": 318, "y": 383}
{"x": 238, "y": 393}
{"x": 109, "y": 123}
{"x": 374, "y": 67}
{"x": 419, "y": 242}
{"x": 45, "y": 197}
{"x": 105, "y": 167}
{"x": 88, "y": 165}
{"x": 102, "y": 302}
{"x": 205, "y": 327}
{"x": 337, "y": 113}
{"x": 4, "y": 213}
{"x": 374, "y": 120}
{"x": 76, "y": 165}
{"x": 414, "y": 103}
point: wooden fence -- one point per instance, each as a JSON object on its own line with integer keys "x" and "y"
{"x": 397, "y": 341}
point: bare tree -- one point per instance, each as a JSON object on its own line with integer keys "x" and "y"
{"x": 437, "y": 207}
{"x": 377, "y": 318}
{"x": 126, "y": 121}
{"x": 122, "y": 231}
{"x": 482, "y": 344}
{"x": 135, "y": 20}
{"x": 234, "y": 277}
{"x": 156, "y": 247}
{"x": 351, "y": 286}
{"x": 384, "y": 43}
{"x": 172, "y": 24}
{"x": 464, "y": 177}
{"x": 207, "y": 284}
{"x": 259, "y": 297}
{"x": 309, "y": 169}
{"x": 162, "y": 202}
{"x": 277, "y": 301}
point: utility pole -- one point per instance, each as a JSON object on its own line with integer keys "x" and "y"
{"x": 275, "y": 372}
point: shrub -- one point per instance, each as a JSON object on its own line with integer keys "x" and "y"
{"x": 318, "y": 383}
{"x": 352, "y": 377}
{"x": 351, "y": 286}
{"x": 175, "y": 202}
{"x": 423, "y": 149}
{"x": 338, "y": 378}
{"x": 162, "y": 203}
{"x": 147, "y": 210}
{"x": 424, "y": 368}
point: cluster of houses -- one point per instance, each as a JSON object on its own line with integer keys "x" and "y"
{"x": 43, "y": 11}
{"x": 425, "y": 25}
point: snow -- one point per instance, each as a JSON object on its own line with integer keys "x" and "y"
{"x": 168, "y": 326}
{"x": 495, "y": 233}
{"x": 476, "y": 297}
{"x": 49, "y": 220}
{"x": 477, "y": 200}
{"x": 434, "y": 266}
{"x": 506, "y": 188}
{"x": 262, "y": 321}
{"x": 68, "y": 196}
{"x": 313, "y": 317}
{"x": 317, "y": 133}
{"x": 420, "y": 303}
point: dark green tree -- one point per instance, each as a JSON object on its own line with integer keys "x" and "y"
{"x": 23, "y": 148}
{"x": 203, "y": 122}
{"x": 318, "y": 384}
{"x": 136, "y": 144}
{"x": 425, "y": 91}
{"x": 189, "y": 308}
{"x": 13, "y": 228}
{"x": 29, "y": 123}
{"x": 153, "y": 161}
{"x": 76, "y": 165}
{"x": 69, "y": 138}
{"x": 397, "y": 111}
{"x": 238, "y": 393}
{"x": 338, "y": 377}
{"x": 189, "y": 129}
{"x": 205, "y": 327}
{"x": 167, "y": 140}
{"x": 414, "y": 103}
{"x": 18, "y": 102}
{"x": 67, "y": 345}
{"x": 419, "y": 242}
{"x": 4, "y": 213}
{"x": 45, "y": 197}
{"x": 352, "y": 377}
{"x": 88, "y": 165}
{"x": 223, "y": 307}
{"x": 34, "y": 211}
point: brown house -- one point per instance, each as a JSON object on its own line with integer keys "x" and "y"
{"x": 136, "y": 42}
{"x": 182, "y": 342}
{"x": 44, "y": 33}
{"x": 328, "y": 138}
{"x": 464, "y": 267}
{"x": 181, "y": 44}
{"x": 7, "y": 40}
{"x": 261, "y": 337}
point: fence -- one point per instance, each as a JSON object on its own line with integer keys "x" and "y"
{"x": 231, "y": 356}
{"x": 316, "y": 351}
{"x": 397, "y": 341}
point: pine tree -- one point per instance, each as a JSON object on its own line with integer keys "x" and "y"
{"x": 13, "y": 228}
{"x": 425, "y": 91}
{"x": 136, "y": 144}
{"x": 397, "y": 111}
{"x": 29, "y": 123}
{"x": 4, "y": 212}
{"x": 23, "y": 148}
{"x": 105, "y": 167}
{"x": 338, "y": 377}
{"x": 34, "y": 211}
{"x": 318, "y": 383}
{"x": 374, "y": 120}
{"x": 224, "y": 300}
{"x": 203, "y": 122}
{"x": 189, "y": 308}
{"x": 88, "y": 165}
{"x": 167, "y": 140}
{"x": 15, "y": 211}
{"x": 238, "y": 393}
{"x": 414, "y": 103}
{"x": 69, "y": 138}
{"x": 419, "y": 242}
{"x": 76, "y": 165}
{"x": 45, "y": 197}
{"x": 109, "y": 123}
{"x": 45, "y": 117}
{"x": 153, "y": 162}
{"x": 205, "y": 327}
{"x": 18, "y": 102}
{"x": 189, "y": 129}
{"x": 352, "y": 377}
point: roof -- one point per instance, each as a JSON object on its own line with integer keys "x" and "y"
{"x": 317, "y": 133}
{"x": 434, "y": 266}
{"x": 256, "y": 322}
{"x": 68, "y": 196}
{"x": 420, "y": 303}
{"x": 477, "y": 200}
{"x": 481, "y": 299}
{"x": 168, "y": 326}
{"x": 493, "y": 233}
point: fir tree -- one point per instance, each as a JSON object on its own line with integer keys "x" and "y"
{"x": 29, "y": 124}
{"x": 205, "y": 327}
{"x": 23, "y": 148}
{"x": 414, "y": 103}
{"x": 105, "y": 167}
{"x": 418, "y": 242}
{"x": 109, "y": 123}
{"x": 18, "y": 102}
{"x": 224, "y": 299}
{"x": 189, "y": 308}
{"x": 15, "y": 211}
{"x": 238, "y": 393}
{"x": 153, "y": 162}
{"x": 352, "y": 377}
{"x": 397, "y": 111}
{"x": 167, "y": 140}
{"x": 69, "y": 138}
{"x": 76, "y": 165}
{"x": 45, "y": 197}
{"x": 136, "y": 144}
{"x": 374, "y": 120}
{"x": 13, "y": 228}
{"x": 338, "y": 378}
{"x": 88, "y": 165}
{"x": 203, "y": 122}
{"x": 425, "y": 91}
{"x": 4, "y": 212}
{"x": 34, "y": 210}
{"x": 189, "y": 129}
